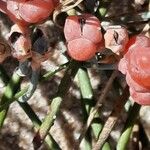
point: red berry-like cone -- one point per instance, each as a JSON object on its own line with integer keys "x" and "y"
{"x": 83, "y": 26}
{"x": 81, "y": 49}
{"x": 36, "y": 10}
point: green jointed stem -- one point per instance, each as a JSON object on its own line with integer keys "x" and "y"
{"x": 50, "y": 74}
{"x": 5, "y": 78}
{"x": 52, "y": 145}
{"x": 85, "y": 84}
{"x": 31, "y": 114}
{"x": 8, "y": 95}
{"x": 125, "y": 136}
{"x": 85, "y": 88}
{"x": 56, "y": 102}
{"x": 87, "y": 98}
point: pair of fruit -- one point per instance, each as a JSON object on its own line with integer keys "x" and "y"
{"x": 83, "y": 36}
{"x": 25, "y": 12}
{"x": 136, "y": 66}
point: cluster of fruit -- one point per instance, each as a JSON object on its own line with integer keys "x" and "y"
{"x": 83, "y": 35}
{"x": 25, "y": 13}
{"x": 84, "y": 39}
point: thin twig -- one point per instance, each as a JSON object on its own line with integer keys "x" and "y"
{"x": 111, "y": 121}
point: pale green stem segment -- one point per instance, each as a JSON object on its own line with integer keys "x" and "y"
{"x": 125, "y": 136}
{"x": 8, "y": 94}
{"x": 10, "y": 90}
{"x": 50, "y": 142}
{"x": 87, "y": 100}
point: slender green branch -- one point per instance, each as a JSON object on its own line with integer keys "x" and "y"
{"x": 9, "y": 92}
{"x": 86, "y": 100}
{"x": 50, "y": 142}
{"x": 22, "y": 92}
{"x": 28, "y": 110}
{"x": 94, "y": 111}
{"x": 125, "y": 136}
{"x": 56, "y": 102}
{"x": 111, "y": 121}
{"x": 50, "y": 73}
{"x": 86, "y": 89}
{"x": 88, "y": 103}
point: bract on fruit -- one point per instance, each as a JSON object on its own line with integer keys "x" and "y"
{"x": 116, "y": 38}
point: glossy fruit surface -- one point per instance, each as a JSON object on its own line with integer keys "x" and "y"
{"x": 81, "y": 49}
{"x": 139, "y": 40}
{"x": 134, "y": 85}
{"x": 13, "y": 11}
{"x": 29, "y": 11}
{"x": 36, "y": 10}
{"x": 139, "y": 65}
